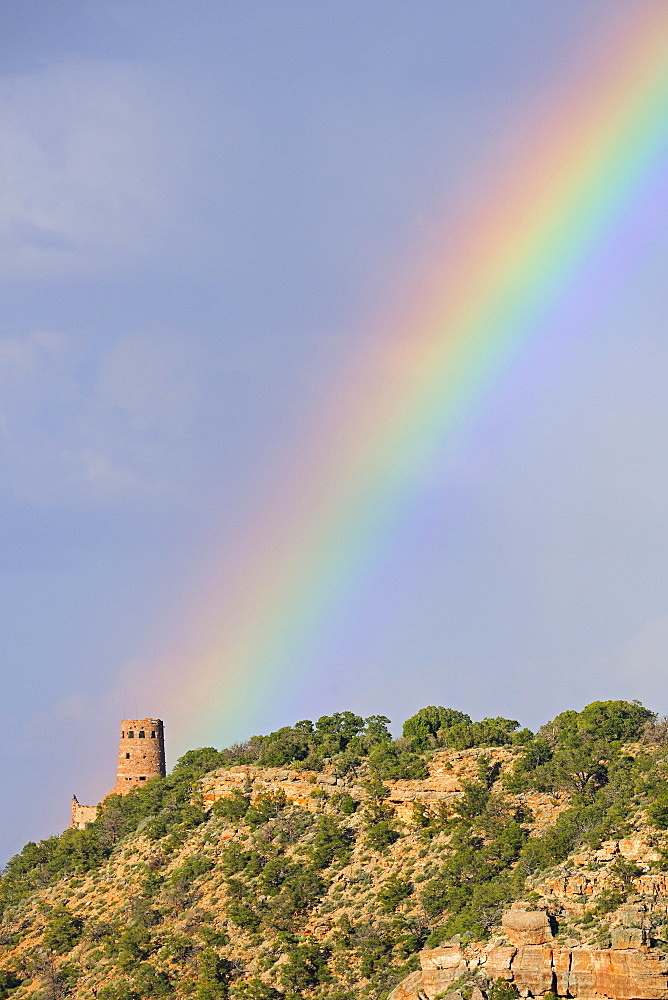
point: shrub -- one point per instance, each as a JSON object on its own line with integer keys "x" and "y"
{"x": 306, "y": 967}
{"x": 331, "y": 842}
{"x": 254, "y": 989}
{"x": 118, "y": 989}
{"x": 62, "y": 930}
{"x": 658, "y": 811}
{"x": 347, "y": 804}
{"x": 501, "y": 989}
{"x": 232, "y": 807}
{"x": 149, "y": 982}
{"x": 266, "y": 807}
{"x": 243, "y": 915}
{"x": 381, "y": 835}
{"x": 422, "y": 728}
{"x": 213, "y": 974}
{"x": 8, "y": 982}
{"x": 393, "y": 892}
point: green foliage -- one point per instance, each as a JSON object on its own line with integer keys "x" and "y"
{"x": 213, "y": 973}
{"x": 342, "y": 739}
{"x": 266, "y": 807}
{"x": 178, "y": 947}
{"x": 150, "y": 982}
{"x": 62, "y": 930}
{"x": 118, "y": 989}
{"x": 495, "y": 732}
{"x": 346, "y": 804}
{"x": 575, "y": 751}
{"x": 393, "y": 892}
{"x": 331, "y": 843}
{"x": 422, "y": 728}
{"x": 388, "y": 763}
{"x": 474, "y": 800}
{"x": 232, "y": 807}
{"x": 501, "y": 989}
{"x": 194, "y": 866}
{"x": 380, "y": 835}
{"x": 474, "y": 882}
{"x": 658, "y": 811}
{"x": 253, "y": 989}
{"x": 306, "y": 967}
{"x": 438, "y": 726}
{"x": 134, "y": 945}
{"x": 234, "y": 859}
{"x": 610, "y": 721}
{"x": 9, "y": 980}
{"x": 243, "y": 915}
{"x": 167, "y": 800}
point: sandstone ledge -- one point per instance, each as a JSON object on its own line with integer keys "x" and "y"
{"x": 535, "y": 970}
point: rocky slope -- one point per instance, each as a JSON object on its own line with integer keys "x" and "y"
{"x": 293, "y": 882}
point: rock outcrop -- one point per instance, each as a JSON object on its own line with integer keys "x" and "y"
{"x": 448, "y": 771}
{"x": 527, "y": 927}
{"x": 627, "y": 971}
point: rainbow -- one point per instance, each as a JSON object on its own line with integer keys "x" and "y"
{"x": 481, "y": 298}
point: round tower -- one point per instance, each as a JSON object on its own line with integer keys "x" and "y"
{"x": 141, "y": 754}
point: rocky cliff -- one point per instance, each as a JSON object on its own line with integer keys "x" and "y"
{"x": 629, "y": 970}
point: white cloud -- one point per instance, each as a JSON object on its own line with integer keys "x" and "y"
{"x": 149, "y": 377}
{"x": 114, "y": 428}
{"x": 86, "y": 168}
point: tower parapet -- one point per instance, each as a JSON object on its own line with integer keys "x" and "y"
{"x": 141, "y": 754}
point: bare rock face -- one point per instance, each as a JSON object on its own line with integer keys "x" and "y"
{"x": 627, "y": 937}
{"x": 408, "y": 988}
{"x": 524, "y": 927}
{"x": 628, "y": 971}
{"x": 440, "y": 968}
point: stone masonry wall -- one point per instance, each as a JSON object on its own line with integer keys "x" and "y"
{"x": 141, "y": 753}
{"x": 82, "y": 815}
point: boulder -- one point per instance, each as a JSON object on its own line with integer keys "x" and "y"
{"x": 527, "y": 926}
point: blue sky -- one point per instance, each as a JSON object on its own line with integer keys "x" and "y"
{"x": 200, "y": 206}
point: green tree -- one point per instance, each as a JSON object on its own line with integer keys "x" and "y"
{"x": 306, "y": 967}
{"x": 62, "y": 930}
{"x": 9, "y": 981}
{"x": 213, "y": 973}
{"x": 232, "y": 807}
{"x": 423, "y": 727}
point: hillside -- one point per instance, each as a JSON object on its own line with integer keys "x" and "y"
{"x": 323, "y": 859}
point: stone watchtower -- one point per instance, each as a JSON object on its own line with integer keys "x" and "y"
{"x": 141, "y": 754}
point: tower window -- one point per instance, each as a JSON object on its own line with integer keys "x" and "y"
{"x": 153, "y": 735}
{"x": 131, "y": 734}
{"x": 122, "y": 734}
{"x": 142, "y": 778}
{"x": 142, "y": 734}
{"x": 127, "y": 756}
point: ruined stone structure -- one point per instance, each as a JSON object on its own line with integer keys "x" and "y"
{"x": 141, "y": 756}
{"x": 82, "y": 815}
